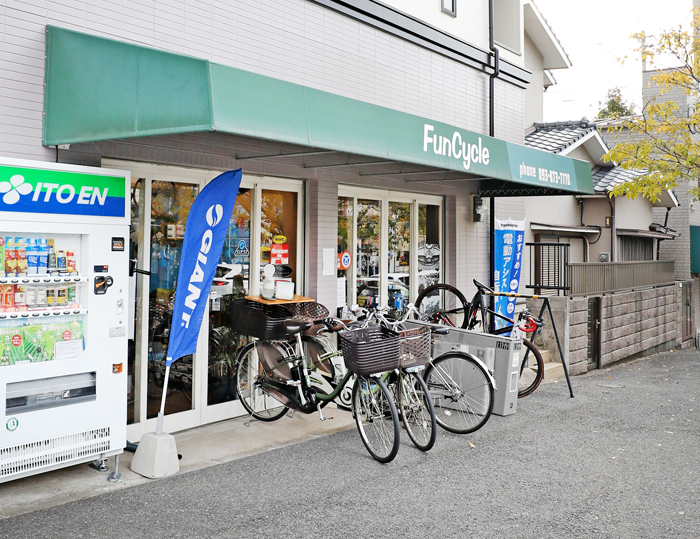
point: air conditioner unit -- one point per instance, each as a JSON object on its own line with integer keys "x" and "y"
{"x": 604, "y": 257}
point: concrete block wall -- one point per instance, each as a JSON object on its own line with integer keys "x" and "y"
{"x": 578, "y": 336}
{"x": 634, "y": 322}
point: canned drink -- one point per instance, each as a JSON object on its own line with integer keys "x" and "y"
{"x": 8, "y": 296}
{"x": 50, "y": 296}
{"x": 20, "y": 296}
{"x": 61, "y": 295}
{"x": 71, "y": 293}
{"x": 41, "y": 296}
{"x": 31, "y": 296}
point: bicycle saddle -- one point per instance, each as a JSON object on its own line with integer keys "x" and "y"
{"x": 292, "y": 326}
{"x": 482, "y": 286}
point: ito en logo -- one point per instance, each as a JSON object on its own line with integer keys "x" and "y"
{"x": 12, "y": 424}
{"x": 14, "y": 188}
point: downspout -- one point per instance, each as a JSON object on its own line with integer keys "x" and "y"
{"x": 613, "y": 229}
{"x": 492, "y": 130}
{"x": 658, "y": 242}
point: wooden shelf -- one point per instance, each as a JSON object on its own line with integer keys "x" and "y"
{"x": 297, "y": 299}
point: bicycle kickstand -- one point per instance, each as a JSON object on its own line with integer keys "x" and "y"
{"x": 320, "y": 413}
{"x": 247, "y": 422}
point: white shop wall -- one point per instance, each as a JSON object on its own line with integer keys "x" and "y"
{"x": 299, "y": 41}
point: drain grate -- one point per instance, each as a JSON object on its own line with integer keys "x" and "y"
{"x": 44, "y": 453}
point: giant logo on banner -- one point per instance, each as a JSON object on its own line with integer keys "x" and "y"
{"x": 509, "y": 238}
{"x": 206, "y": 230}
{"x": 30, "y": 190}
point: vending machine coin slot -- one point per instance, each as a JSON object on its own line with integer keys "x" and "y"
{"x": 102, "y": 283}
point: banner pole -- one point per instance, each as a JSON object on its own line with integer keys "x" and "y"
{"x": 159, "y": 424}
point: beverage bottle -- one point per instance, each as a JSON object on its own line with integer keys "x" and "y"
{"x": 21, "y": 255}
{"x": 61, "y": 261}
{"x": 43, "y": 262}
{"x": 32, "y": 256}
{"x": 51, "y": 260}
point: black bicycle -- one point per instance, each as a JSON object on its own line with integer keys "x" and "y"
{"x": 445, "y": 304}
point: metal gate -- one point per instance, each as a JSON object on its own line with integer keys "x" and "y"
{"x": 687, "y": 311}
{"x": 594, "y": 333}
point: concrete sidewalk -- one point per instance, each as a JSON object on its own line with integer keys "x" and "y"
{"x": 201, "y": 447}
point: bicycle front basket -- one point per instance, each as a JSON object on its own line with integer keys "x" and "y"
{"x": 257, "y": 320}
{"x": 414, "y": 347}
{"x": 370, "y": 350}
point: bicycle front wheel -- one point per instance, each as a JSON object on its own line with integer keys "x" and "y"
{"x": 376, "y": 418}
{"x": 461, "y": 390}
{"x": 255, "y": 399}
{"x": 531, "y": 370}
{"x": 417, "y": 411}
{"x": 443, "y": 304}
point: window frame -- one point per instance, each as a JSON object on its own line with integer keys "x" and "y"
{"x": 452, "y": 12}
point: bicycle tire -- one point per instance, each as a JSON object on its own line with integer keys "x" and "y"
{"x": 461, "y": 390}
{"x": 376, "y": 418}
{"x": 268, "y": 408}
{"x": 451, "y": 302}
{"x": 531, "y": 370}
{"x": 417, "y": 412}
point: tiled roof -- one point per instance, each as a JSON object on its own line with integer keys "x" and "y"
{"x": 606, "y": 178}
{"x": 557, "y": 136}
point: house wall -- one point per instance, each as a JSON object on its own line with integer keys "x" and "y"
{"x": 594, "y": 214}
{"x": 633, "y": 213}
{"x": 534, "y": 108}
{"x": 467, "y": 25}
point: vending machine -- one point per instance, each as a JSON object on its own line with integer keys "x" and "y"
{"x": 64, "y": 285}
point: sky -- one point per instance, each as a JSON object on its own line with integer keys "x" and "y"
{"x": 595, "y": 34}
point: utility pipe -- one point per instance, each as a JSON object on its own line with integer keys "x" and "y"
{"x": 492, "y": 129}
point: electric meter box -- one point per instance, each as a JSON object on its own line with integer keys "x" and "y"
{"x": 500, "y": 354}
{"x": 64, "y": 288}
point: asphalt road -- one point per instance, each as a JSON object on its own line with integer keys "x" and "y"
{"x": 619, "y": 460}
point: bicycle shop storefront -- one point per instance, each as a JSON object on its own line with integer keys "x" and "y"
{"x": 354, "y": 202}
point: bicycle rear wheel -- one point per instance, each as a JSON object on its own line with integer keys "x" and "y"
{"x": 443, "y": 304}
{"x": 417, "y": 411}
{"x": 256, "y": 400}
{"x": 376, "y": 418}
{"x": 531, "y": 370}
{"x": 461, "y": 390}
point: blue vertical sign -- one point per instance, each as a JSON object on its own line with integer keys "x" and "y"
{"x": 207, "y": 226}
{"x": 509, "y": 241}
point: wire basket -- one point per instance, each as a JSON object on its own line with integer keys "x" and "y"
{"x": 414, "y": 347}
{"x": 258, "y": 320}
{"x": 370, "y": 350}
{"x": 309, "y": 311}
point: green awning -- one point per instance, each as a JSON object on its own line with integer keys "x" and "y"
{"x": 100, "y": 89}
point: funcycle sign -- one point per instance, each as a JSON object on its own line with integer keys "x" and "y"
{"x": 30, "y": 190}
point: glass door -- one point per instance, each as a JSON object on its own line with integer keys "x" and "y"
{"x": 170, "y": 206}
{"x": 389, "y": 247}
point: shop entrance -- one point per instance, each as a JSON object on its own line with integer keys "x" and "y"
{"x": 265, "y": 227}
{"x": 389, "y": 247}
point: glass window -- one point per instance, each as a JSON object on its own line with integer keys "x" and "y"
{"x": 345, "y": 243}
{"x": 230, "y": 283}
{"x": 369, "y": 226}
{"x": 428, "y": 246}
{"x": 278, "y": 235}
{"x": 449, "y": 6}
{"x": 399, "y": 254}
{"x": 170, "y": 206}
